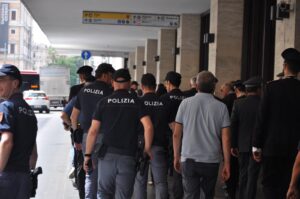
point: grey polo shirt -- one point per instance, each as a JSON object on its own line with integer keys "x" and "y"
{"x": 202, "y": 117}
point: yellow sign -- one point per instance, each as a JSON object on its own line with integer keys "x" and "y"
{"x": 130, "y": 19}
{"x": 105, "y": 15}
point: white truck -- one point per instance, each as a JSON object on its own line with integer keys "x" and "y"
{"x": 55, "y": 81}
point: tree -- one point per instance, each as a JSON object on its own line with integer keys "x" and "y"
{"x": 74, "y": 62}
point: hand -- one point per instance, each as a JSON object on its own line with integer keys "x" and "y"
{"x": 226, "y": 172}
{"x": 257, "y": 156}
{"x": 149, "y": 153}
{"x": 177, "y": 165}
{"x": 235, "y": 152}
{"x": 78, "y": 147}
{"x": 86, "y": 164}
{"x": 292, "y": 193}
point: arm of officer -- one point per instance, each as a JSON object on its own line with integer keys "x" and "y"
{"x": 90, "y": 142}
{"x": 176, "y": 145}
{"x": 6, "y": 145}
{"x": 33, "y": 157}
{"x": 65, "y": 118}
{"x": 148, "y": 134}
{"x": 225, "y": 132}
{"x": 92, "y": 136}
{"x": 74, "y": 118}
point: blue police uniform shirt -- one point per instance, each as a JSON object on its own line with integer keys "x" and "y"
{"x": 69, "y": 107}
{"x": 87, "y": 99}
{"x": 156, "y": 109}
{"x": 18, "y": 118}
{"x": 120, "y": 115}
{"x": 172, "y": 101}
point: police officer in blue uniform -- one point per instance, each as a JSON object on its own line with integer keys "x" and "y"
{"x": 18, "y": 130}
{"x": 85, "y": 73}
{"x": 155, "y": 108}
{"x": 85, "y": 105}
{"x": 117, "y": 118}
{"x": 172, "y": 100}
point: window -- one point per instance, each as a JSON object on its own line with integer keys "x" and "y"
{"x": 13, "y": 15}
{"x": 12, "y": 48}
{"x": 12, "y": 31}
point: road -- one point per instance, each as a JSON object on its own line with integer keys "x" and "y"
{"x": 54, "y": 156}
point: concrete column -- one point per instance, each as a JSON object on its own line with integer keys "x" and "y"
{"x": 150, "y": 53}
{"x": 188, "y": 40}
{"x": 139, "y": 58}
{"x": 287, "y": 34}
{"x": 166, "y": 42}
{"x": 131, "y": 62}
{"x": 225, "y": 54}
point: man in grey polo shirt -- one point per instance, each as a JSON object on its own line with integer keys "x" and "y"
{"x": 203, "y": 129}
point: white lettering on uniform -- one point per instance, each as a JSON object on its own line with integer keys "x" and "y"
{"x": 120, "y": 101}
{"x": 25, "y": 111}
{"x": 175, "y": 97}
{"x": 153, "y": 103}
{"x": 93, "y": 91}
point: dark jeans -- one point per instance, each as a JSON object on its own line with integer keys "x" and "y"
{"x": 276, "y": 176}
{"x": 15, "y": 185}
{"x": 249, "y": 171}
{"x": 177, "y": 187}
{"x": 199, "y": 176}
{"x": 233, "y": 181}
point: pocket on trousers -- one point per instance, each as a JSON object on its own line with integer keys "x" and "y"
{"x": 7, "y": 180}
{"x": 187, "y": 169}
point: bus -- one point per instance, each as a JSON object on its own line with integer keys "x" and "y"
{"x": 30, "y": 80}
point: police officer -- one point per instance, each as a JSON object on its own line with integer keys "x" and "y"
{"x": 172, "y": 100}
{"x": 116, "y": 118}
{"x": 155, "y": 108}
{"x": 239, "y": 89}
{"x": 243, "y": 119}
{"x": 84, "y": 72}
{"x": 18, "y": 130}
{"x": 277, "y": 134}
{"x": 85, "y": 105}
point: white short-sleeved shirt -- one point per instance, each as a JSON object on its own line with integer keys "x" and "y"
{"x": 202, "y": 117}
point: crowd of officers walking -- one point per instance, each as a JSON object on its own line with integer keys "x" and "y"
{"x": 117, "y": 132}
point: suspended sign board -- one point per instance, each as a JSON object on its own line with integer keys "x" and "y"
{"x": 130, "y": 19}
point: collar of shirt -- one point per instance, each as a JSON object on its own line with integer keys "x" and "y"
{"x": 121, "y": 91}
{"x": 16, "y": 95}
{"x": 207, "y": 95}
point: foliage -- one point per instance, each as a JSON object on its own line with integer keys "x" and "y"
{"x": 74, "y": 62}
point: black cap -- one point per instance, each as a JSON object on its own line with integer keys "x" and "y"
{"x": 253, "y": 82}
{"x": 105, "y": 68}
{"x": 238, "y": 84}
{"x": 122, "y": 73}
{"x": 174, "y": 78}
{"x": 291, "y": 54}
{"x": 85, "y": 70}
{"x": 10, "y": 70}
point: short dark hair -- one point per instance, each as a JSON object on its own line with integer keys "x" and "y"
{"x": 149, "y": 81}
{"x": 293, "y": 66}
{"x": 134, "y": 83}
{"x": 103, "y": 68}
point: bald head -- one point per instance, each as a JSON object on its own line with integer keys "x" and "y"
{"x": 206, "y": 82}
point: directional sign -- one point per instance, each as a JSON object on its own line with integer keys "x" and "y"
{"x": 85, "y": 54}
{"x": 130, "y": 19}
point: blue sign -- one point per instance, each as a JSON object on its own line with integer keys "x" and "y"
{"x": 4, "y": 20}
{"x": 85, "y": 54}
